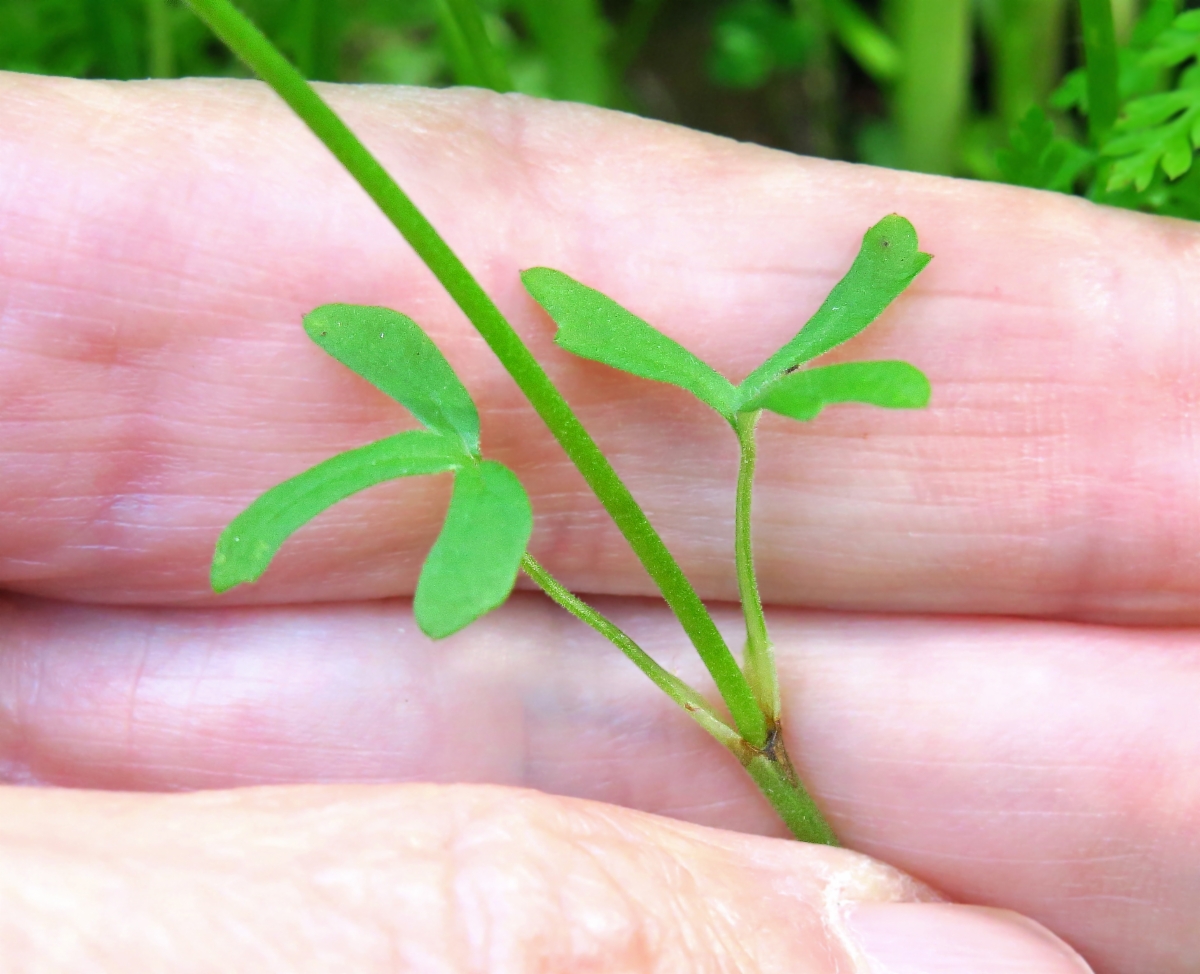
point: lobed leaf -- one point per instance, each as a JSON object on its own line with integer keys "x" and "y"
{"x": 802, "y": 395}
{"x": 473, "y": 564}
{"x": 595, "y": 327}
{"x": 391, "y": 352}
{"x": 886, "y": 264}
{"x": 248, "y": 544}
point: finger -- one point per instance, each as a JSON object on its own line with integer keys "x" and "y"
{"x": 1044, "y": 768}
{"x": 162, "y": 242}
{"x": 457, "y": 879}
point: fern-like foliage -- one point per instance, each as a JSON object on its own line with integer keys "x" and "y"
{"x": 1038, "y": 157}
{"x": 1160, "y": 129}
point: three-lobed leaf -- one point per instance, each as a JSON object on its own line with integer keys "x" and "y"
{"x": 593, "y": 326}
{"x": 473, "y": 564}
{"x": 803, "y": 394}
{"x": 248, "y": 544}
{"x": 887, "y": 263}
{"x": 391, "y": 352}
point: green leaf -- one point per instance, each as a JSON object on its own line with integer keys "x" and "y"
{"x": 1037, "y": 157}
{"x": 802, "y": 395}
{"x": 473, "y": 564}
{"x": 391, "y": 352}
{"x": 886, "y": 264}
{"x": 595, "y": 327}
{"x": 247, "y": 546}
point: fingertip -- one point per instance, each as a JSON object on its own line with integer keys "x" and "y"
{"x": 945, "y": 938}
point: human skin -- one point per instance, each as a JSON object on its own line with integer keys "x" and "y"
{"x": 983, "y": 611}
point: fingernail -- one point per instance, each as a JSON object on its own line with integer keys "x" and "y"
{"x": 942, "y": 938}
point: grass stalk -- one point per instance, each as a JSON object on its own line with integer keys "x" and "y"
{"x": 572, "y": 36}
{"x": 261, "y": 56}
{"x": 864, "y": 40}
{"x": 1025, "y": 39}
{"x": 160, "y": 48}
{"x": 1100, "y": 56}
{"x": 930, "y": 99}
{"x": 468, "y": 35}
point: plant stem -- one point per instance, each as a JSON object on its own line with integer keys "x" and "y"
{"x": 161, "y": 59}
{"x": 252, "y": 47}
{"x": 462, "y": 17}
{"x": 571, "y": 35}
{"x": 631, "y": 37}
{"x": 930, "y": 100}
{"x": 1100, "y": 54}
{"x": 772, "y": 771}
{"x": 759, "y": 664}
{"x": 769, "y": 767}
{"x": 863, "y": 40}
{"x": 668, "y": 682}
{"x": 1025, "y": 42}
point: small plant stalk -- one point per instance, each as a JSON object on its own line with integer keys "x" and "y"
{"x": 769, "y": 767}
{"x": 759, "y": 663}
{"x": 248, "y": 43}
{"x": 161, "y": 50}
{"x": 462, "y": 20}
{"x": 1100, "y": 54}
{"x": 930, "y": 99}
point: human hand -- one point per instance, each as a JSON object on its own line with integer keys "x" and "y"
{"x": 160, "y": 243}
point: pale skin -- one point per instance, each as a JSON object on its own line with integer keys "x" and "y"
{"x": 984, "y": 611}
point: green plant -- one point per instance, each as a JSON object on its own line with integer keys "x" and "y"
{"x": 474, "y": 562}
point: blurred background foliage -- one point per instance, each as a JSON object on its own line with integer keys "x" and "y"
{"x": 991, "y": 89}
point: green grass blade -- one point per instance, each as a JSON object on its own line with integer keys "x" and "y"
{"x": 474, "y": 562}
{"x": 886, "y": 264}
{"x": 391, "y": 352}
{"x": 802, "y": 395}
{"x": 593, "y": 326}
{"x": 462, "y": 20}
{"x": 246, "y": 547}
{"x": 1100, "y": 54}
{"x": 875, "y": 52}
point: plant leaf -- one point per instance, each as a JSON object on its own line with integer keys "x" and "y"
{"x": 595, "y": 327}
{"x": 802, "y": 395}
{"x": 391, "y": 352}
{"x": 473, "y": 564}
{"x": 886, "y": 264}
{"x": 246, "y": 547}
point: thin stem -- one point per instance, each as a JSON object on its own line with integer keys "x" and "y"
{"x": 161, "y": 50}
{"x": 759, "y": 663}
{"x": 769, "y": 767}
{"x": 490, "y": 69}
{"x": 631, "y": 37}
{"x": 571, "y": 36}
{"x": 668, "y": 682}
{"x": 863, "y": 40}
{"x": 1100, "y": 54}
{"x": 252, "y": 47}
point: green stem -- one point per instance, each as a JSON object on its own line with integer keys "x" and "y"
{"x": 571, "y": 36}
{"x": 633, "y": 34}
{"x": 1025, "y": 42}
{"x": 1100, "y": 54}
{"x": 931, "y": 93}
{"x": 463, "y": 18}
{"x": 772, "y": 772}
{"x": 252, "y": 47}
{"x": 759, "y": 663}
{"x": 863, "y": 40}
{"x": 769, "y": 767}
{"x": 161, "y": 59}
{"x": 668, "y": 682}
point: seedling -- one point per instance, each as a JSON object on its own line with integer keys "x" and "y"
{"x": 474, "y": 563}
